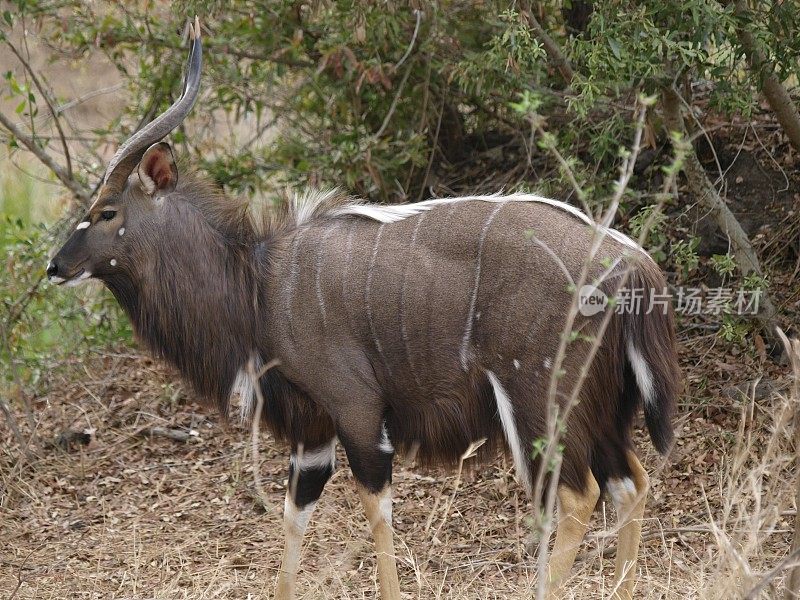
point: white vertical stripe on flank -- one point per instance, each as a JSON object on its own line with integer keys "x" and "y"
{"x": 370, "y": 320}
{"x": 403, "y": 328}
{"x": 294, "y": 274}
{"x": 348, "y": 255}
{"x": 474, "y": 299}
{"x": 644, "y": 378}
{"x": 318, "y": 274}
{"x": 506, "y": 412}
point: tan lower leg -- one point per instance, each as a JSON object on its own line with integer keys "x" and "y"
{"x": 629, "y": 497}
{"x": 295, "y": 522}
{"x": 378, "y": 508}
{"x": 574, "y": 511}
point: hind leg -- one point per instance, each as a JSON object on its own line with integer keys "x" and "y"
{"x": 309, "y": 471}
{"x": 629, "y": 495}
{"x": 574, "y": 511}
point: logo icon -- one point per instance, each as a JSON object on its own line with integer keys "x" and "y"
{"x": 591, "y": 300}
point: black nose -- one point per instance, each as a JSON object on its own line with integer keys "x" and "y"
{"x": 52, "y": 269}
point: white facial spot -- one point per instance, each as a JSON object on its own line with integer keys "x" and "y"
{"x": 113, "y": 262}
{"x": 83, "y": 225}
{"x": 121, "y": 231}
{"x": 516, "y": 364}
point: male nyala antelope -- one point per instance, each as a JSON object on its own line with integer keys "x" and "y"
{"x": 425, "y": 326}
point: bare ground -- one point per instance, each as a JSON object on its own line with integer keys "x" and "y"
{"x": 133, "y": 516}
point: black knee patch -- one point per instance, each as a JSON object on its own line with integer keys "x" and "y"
{"x": 372, "y": 467}
{"x": 306, "y": 485}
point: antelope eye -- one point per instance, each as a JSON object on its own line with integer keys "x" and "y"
{"x": 107, "y": 215}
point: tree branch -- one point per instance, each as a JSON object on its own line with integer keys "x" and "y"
{"x": 50, "y": 107}
{"x": 78, "y": 190}
{"x": 553, "y": 50}
{"x": 708, "y": 197}
{"x": 776, "y": 94}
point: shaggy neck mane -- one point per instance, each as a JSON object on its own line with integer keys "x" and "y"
{"x": 191, "y": 289}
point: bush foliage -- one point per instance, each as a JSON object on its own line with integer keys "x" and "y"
{"x": 391, "y": 100}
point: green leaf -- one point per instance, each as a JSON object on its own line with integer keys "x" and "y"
{"x": 614, "y": 45}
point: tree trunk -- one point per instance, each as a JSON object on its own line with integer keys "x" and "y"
{"x": 776, "y": 94}
{"x": 706, "y": 195}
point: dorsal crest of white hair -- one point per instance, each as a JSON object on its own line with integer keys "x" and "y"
{"x": 398, "y": 212}
{"x": 310, "y": 203}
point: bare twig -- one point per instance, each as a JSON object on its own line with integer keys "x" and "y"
{"x": 418, "y": 13}
{"x": 46, "y": 99}
{"x": 179, "y": 435}
{"x": 12, "y": 423}
{"x": 755, "y": 592}
{"x": 793, "y": 351}
{"x": 255, "y": 377}
{"x": 78, "y": 190}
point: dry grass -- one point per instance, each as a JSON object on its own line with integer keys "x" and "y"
{"x": 135, "y": 517}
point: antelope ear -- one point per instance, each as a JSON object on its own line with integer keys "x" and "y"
{"x": 157, "y": 170}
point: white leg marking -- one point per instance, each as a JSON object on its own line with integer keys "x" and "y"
{"x": 644, "y": 378}
{"x": 320, "y": 458}
{"x": 506, "y": 412}
{"x": 385, "y": 505}
{"x": 244, "y": 386}
{"x": 297, "y": 519}
{"x": 385, "y": 445}
{"x": 474, "y": 299}
{"x": 370, "y": 320}
{"x": 83, "y": 225}
{"x": 295, "y": 522}
{"x": 623, "y": 493}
